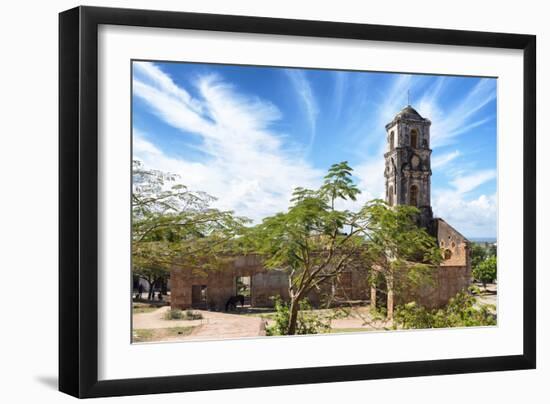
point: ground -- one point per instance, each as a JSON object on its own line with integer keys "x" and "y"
{"x": 213, "y": 325}
{"x": 150, "y": 324}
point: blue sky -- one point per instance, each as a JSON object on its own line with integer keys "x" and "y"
{"x": 249, "y": 135}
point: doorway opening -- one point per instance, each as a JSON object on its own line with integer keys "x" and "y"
{"x": 243, "y": 286}
{"x": 199, "y": 296}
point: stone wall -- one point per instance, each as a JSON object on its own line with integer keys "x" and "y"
{"x": 453, "y": 275}
{"x": 265, "y": 285}
{"x": 448, "y": 281}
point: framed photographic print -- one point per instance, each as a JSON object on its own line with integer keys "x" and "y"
{"x": 251, "y": 201}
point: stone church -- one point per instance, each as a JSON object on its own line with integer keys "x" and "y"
{"x": 407, "y": 176}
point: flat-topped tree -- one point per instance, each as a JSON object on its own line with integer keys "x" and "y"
{"x": 309, "y": 239}
{"x": 171, "y": 222}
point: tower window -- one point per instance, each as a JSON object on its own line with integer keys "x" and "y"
{"x": 414, "y": 138}
{"x": 414, "y": 195}
{"x": 390, "y": 196}
{"x": 392, "y": 140}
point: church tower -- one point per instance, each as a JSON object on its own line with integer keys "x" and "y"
{"x": 407, "y": 163}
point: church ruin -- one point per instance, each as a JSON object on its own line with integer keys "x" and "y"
{"x": 407, "y": 182}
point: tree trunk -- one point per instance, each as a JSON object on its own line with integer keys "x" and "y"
{"x": 150, "y": 291}
{"x": 389, "y": 282}
{"x": 390, "y": 304}
{"x": 373, "y": 297}
{"x": 293, "y": 316}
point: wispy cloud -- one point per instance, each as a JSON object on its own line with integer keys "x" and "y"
{"x": 340, "y": 87}
{"x": 467, "y": 183}
{"x": 459, "y": 117}
{"x": 249, "y": 170}
{"x": 303, "y": 88}
{"x": 441, "y": 160}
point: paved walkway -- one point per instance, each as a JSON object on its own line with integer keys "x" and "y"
{"x": 213, "y": 325}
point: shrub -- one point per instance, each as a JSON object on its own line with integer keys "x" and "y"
{"x": 191, "y": 315}
{"x": 173, "y": 314}
{"x": 461, "y": 311}
{"x": 177, "y": 314}
{"x": 307, "y": 322}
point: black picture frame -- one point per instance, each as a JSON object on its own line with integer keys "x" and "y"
{"x": 78, "y": 200}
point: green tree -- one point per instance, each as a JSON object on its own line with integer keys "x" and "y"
{"x": 478, "y": 254}
{"x": 486, "y": 271}
{"x": 172, "y": 223}
{"x": 401, "y": 255}
{"x": 309, "y": 241}
{"x": 315, "y": 242}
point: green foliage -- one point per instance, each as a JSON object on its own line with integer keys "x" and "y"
{"x": 313, "y": 241}
{"x": 307, "y": 321}
{"x": 177, "y": 314}
{"x": 478, "y": 254}
{"x": 192, "y": 315}
{"x": 486, "y": 271}
{"x": 171, "y": 222}
{"x": 401, "y": 255}
{"x": 461, "y": 311}
{"x": 173, "y": 314}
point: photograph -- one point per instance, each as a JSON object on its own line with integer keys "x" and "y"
{"x": 282, "y": 201}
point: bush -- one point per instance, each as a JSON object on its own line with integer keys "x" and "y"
{"x": 461, "y": 311}
{"x": 173, "y": 314}
{"x": 191, "y": 315}
{"x": 177, "y": 314}
{"x": 307, "y": 323}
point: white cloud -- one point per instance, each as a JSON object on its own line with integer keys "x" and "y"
{"x": 439, "y": 161}
{"x": 248, "y": 170}
{"x": 467, "y": 183}
{"x": 473, "y": 218}
{"x": 305, "y": 92}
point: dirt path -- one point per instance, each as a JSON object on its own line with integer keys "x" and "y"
{"x": 213, "y": 325}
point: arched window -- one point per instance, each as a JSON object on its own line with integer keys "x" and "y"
{"x": 390, "y": 196}
{"x": 414, "y": 195}
{"x": 414, "y": 139}
{"x": 391, "y": 140}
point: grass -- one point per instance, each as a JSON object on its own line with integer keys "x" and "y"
{"x": 160, "y": 334}
{"x": 142, "y": 335}
{"x": 340, "y": 330}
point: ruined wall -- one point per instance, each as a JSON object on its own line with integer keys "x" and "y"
{"x": 220, "y": 284}
{"x": 455, "y": 246}
{"x": 448, "y": 281}
{"x": 454, "y": 273}
{"x": 267, "y": 285}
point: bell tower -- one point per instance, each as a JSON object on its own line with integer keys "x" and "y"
{"x": 407, "y": 163}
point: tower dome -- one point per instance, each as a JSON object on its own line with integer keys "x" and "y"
{"x": 409, "y": 113}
